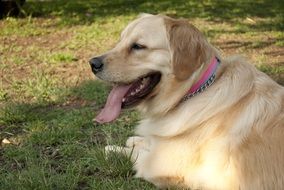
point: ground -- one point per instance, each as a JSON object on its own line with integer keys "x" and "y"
{"x": 48, "y": 95}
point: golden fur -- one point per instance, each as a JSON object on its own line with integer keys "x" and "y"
{"x": 231, "y": 136}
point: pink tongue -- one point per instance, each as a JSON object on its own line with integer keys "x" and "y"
{"x": 113, "y": 105}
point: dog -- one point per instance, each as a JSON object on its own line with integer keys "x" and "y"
{"x": 208, "y": 122}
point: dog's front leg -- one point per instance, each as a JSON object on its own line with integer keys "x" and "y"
{"x": 134, "y": 146}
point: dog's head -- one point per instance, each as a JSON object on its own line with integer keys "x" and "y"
{"x": 155, "y": 62}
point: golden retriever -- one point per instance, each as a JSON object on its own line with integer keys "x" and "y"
{"x": 226, "y": 134}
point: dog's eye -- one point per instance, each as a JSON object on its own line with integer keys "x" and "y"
{"x": 136, "y": 46}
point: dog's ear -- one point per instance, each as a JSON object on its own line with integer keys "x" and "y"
{"x": 187, "y": 47}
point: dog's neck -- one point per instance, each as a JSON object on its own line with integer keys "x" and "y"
{"x": 207, "y": 78}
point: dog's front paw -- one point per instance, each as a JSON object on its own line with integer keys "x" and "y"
{"x": 118, "y": 149}
{"x": 113, "y": 148}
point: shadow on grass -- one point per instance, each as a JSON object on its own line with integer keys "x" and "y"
{"x": 88, "y": 94}
{"x": 74, "y": 111}
{"x": 84, "y": 12}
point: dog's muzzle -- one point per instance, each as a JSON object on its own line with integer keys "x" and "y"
{"x": 96, "y": 64}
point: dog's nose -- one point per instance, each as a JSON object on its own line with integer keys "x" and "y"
{"x": 96, "y": 64}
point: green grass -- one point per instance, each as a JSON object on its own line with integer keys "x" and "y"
{"x": 48, "y": 95}
{"x": 57, "y": 146}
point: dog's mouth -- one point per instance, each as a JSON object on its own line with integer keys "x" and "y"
{"x": 140, "y": 89}
{"x": 127, "y": 95}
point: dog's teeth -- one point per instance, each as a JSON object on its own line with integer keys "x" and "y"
{"x": 132, "y": 93}
{"x": 144, "y": 81}
{"x": 123, "y": 99}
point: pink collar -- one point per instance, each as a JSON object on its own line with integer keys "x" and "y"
{"x": 206, "y": 79}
